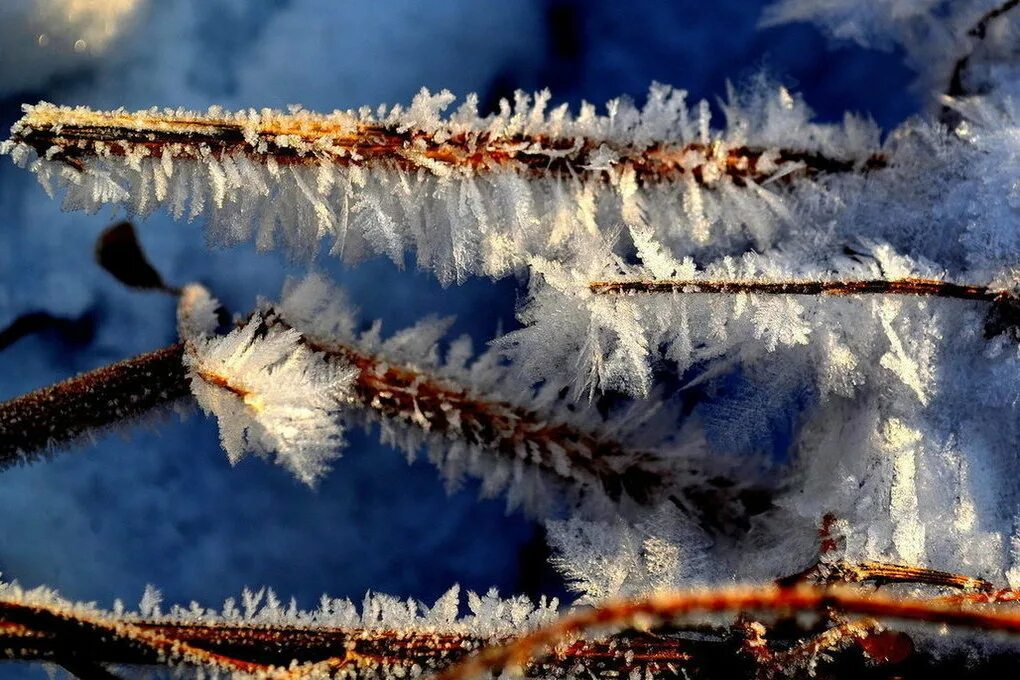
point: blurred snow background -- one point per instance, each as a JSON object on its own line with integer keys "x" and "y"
{"x": 157, "y": 502}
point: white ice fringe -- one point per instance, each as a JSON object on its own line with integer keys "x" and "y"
{"x": 487, "y": 614}
{"x": 270, "y": 394}
{"x": 468, "y": 194}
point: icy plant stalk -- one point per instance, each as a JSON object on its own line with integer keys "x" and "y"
{"x": 469, "y": 194}
{"x": 287, "y": 379}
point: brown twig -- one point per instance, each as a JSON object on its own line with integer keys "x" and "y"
{"x": 909, "y": 286}
{"x": 89, "y": 639}
{"x": 1003, "y": 315}
{"x": 265, "y": 647}
{"x": 88, "y": 402}
{"x": 440, "y": 406}
{"x": 105, "y": 396}
{"x": 657, "y": 610}
{"x": 884, "y": 573}
{"x": 74, "y": 135}
{"x": 36, "y": 631}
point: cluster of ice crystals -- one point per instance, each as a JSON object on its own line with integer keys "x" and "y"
{"x": 270, "y": 394}
{"x": 606, "y": 559}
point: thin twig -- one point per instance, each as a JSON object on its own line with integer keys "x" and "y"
{"x": 91, "y": 401}
{"x": 1003, "y": 314}
{"x": 956, "y": 88}
{"x": 907, "y": 286}
{"x": 661, "y": 609}
{"x": 884, "y": 573}
{"x": 55, "y": 632}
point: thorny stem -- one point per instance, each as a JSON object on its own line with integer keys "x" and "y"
{"x": 93, "y": 400}
{"x": 74, "y": 135}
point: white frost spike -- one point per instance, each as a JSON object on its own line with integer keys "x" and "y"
{"x": 196, "y": 312}
{"x": 271, "y": 395}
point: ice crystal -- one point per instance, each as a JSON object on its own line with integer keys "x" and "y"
{"x": 270, "y": 394}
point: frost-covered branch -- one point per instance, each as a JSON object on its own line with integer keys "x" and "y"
{"x": 412, "y": 141}
{"x": 286, "y": 381}
{"x": 389, "y": 638}
{"x": 925, "y": 287}
{"x": 92, "y": 401}
{"x": 663, "y": 609}
{"x": 289, "y": 378}
{"x": 1003, "y": 316}
{"x": 469, "y": 195}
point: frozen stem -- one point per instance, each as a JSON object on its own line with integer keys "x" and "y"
{"x": 1003, "y": 315}
{"x": 678, "y": 648}
{"x": 438, "y": 405}
{"x": 664, "y": 609}
{"x": 73, "y": 135}
{"x": 94, "y": 400}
